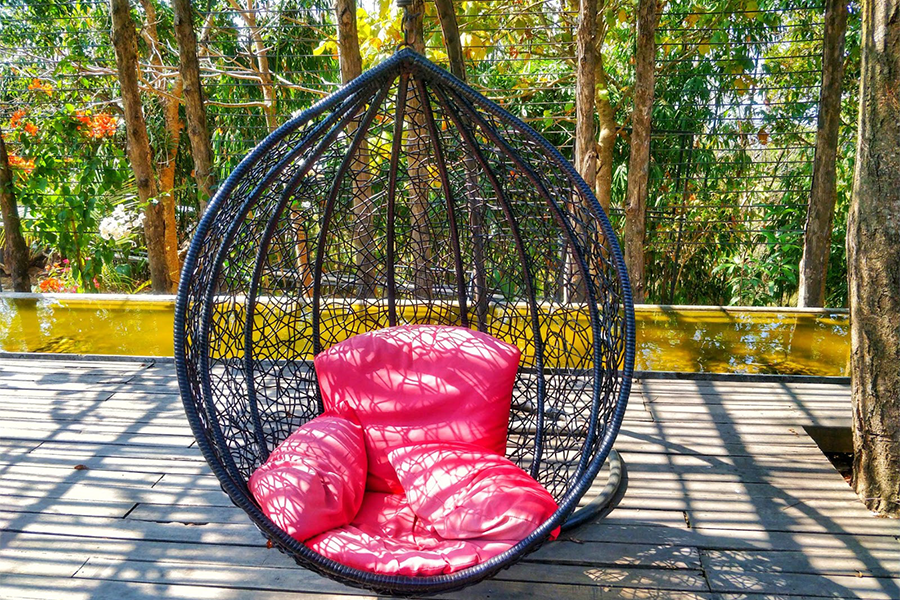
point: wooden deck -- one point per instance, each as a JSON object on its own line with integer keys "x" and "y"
{"x": 104, "y": 495}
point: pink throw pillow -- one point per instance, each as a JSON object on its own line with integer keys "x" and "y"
{"x": 315, "y": 479}
{"x": 417, "y": 384}
{"x": 464, "y": 492}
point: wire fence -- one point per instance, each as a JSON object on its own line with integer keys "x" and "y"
{"x": 733, "y": 122}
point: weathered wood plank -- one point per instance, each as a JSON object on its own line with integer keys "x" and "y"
{"x": 822, "y": 585}
{"x": 38, "y": 587}
{"x": 810, "y": 560}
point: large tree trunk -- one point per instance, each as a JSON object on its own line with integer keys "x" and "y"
{"x": 16, "y": 252}
{"x": 351, "y": 67}
{"x": 639, "y": 161}
{"x": 194, "y": 106}
{"x": 453, "y": 44}
{"x": 873, "y": 260}
{"x": 817, "y": 239}
{"x": 124, "y": 39}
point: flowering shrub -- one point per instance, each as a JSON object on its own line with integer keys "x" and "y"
{"x": 58, "y": 278}
{"x": 70, "y": 170}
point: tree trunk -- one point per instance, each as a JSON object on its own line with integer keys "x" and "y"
{"x": 194, "y": 106}
{"x": 261, "y": 62}
{"x": 606, "y": 137}
{"x": 585, "y": 141}
{"x": 166, "y": 171}
{"x": 124, "y": 39}
{"x": 873, "y": 261}
{"x": 417, "y": 151}
{"x": 639, "y": 161}
{"x": 585, "y": 89}
{"x": 817, "y": 239}
{"x": 453, "y": 44}
{"x": 351, "y": 68}
{"x": 16, "y": 250}
{"x": 348, "y": 40}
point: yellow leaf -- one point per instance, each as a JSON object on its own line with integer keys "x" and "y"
{"x": 703, "y": 48}
{"x": 623, "y": 15}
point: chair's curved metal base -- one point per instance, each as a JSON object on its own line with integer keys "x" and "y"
{"x": 607, "y": 499}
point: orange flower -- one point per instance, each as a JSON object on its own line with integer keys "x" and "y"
{"x": 103, "y": 125}
{"x": 50, "y": 284}
{"x": 25, "y": 164}
{"x": 31, "y": 128}
{"x": 41, "y": 87}
{"x": 98, "y": 126}
{"x": 16, "y": 117}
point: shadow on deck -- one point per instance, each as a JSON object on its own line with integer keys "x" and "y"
{"x": 104, "y": 496}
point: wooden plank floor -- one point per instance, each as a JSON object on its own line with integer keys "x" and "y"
{"x": 103, "y": 495}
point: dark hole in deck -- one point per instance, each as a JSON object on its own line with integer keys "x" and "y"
{"x": 836, "y": 443}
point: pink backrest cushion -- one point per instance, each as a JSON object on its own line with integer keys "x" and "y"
{"x": 315, "y": 479}
{"x": 465, "y": 492}
{"x": 419, "y": 384}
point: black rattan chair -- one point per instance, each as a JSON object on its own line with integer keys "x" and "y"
{"x": 405, "y": 197}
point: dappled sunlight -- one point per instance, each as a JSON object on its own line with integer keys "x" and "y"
{"x": 726, "y": 495}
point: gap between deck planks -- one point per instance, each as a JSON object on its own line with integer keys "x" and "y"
{"x": 728, "y": 499}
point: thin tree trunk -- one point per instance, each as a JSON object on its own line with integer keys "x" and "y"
{"x": 16, "y": 250}
{"x": 585, "y": 141}
{"x": 166, "y": 171}
{"x": 416, "y": 153}
{"x": 261, "y": 63}
{"x": 124, "y": 39}
{"x": 817, "y": 239}
{"x": 350, "y": 61}
{"x": 194, "y": 106}
{"x": 453, "y": 44}
{"x": 639, "y": 161}
{"x": 164, "y": 166}
{"x": 873, "y": 261}
{"x": 606, "y": 137}
{"x": 585, "y": 90}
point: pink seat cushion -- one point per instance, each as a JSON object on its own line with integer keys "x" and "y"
{"x": 385, "y": 537}
{"x": 464, "y": 492}
{"x": 315, "y": 479}
{"x": 418, "y": 384}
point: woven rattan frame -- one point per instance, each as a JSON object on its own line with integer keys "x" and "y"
{"x": 405, "y": 197}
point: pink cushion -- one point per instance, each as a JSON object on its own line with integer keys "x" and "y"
{"x": 314, "y": 480}
{"x": 420, "y": 383}
{"x": 464, "y": 492}
{"x": 386, "y": 538}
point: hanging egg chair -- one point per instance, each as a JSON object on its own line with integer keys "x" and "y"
{"x": 405, "y": 198}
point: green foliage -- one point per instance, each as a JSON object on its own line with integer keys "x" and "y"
{"x": 733, "y": 120}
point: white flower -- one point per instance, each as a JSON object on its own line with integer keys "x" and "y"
{"x": 119, "y": 224}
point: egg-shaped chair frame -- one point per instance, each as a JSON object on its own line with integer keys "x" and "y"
{"x": 404, "y": 197}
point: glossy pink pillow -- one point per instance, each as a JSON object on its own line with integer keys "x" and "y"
{"x": 417, "y": 384}
{"x": 315, "y": 479}
{"x": 464, "y": 492}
